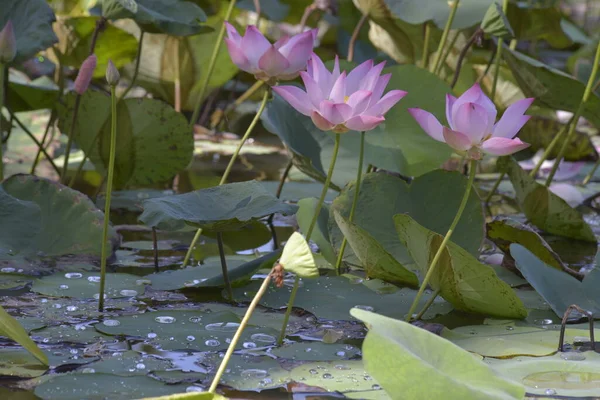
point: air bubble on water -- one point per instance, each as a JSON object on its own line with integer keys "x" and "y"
{"x": 308, "y": 349}
{"x": 88, "y": 371}
{"x": 190, "y": 338}
{"x": 265, "y": 382}
{"x": 72, "y": 308}
{"x": 254, "y": 373}
{"x": 165, "y": 319}
{"x": 212, "y": 342}
{"x": 63, "y": 287}
{"x": 43, "y": 300}
{"x": 550, "y": 392}
{"x": 195, "y": 320}
{"x": 73, "y": 275}
{"x": 151, "y": 335}
{"x": 111, "y": 322}
{"x": 263, "y": 337}
{"x": 141, "y": 282}
{"x": 366, "y": 308}
{"x": 340, "y": 353}
{"x": 573, "y": 356}
{"x": 222, "y": 326}
{"x": 8, "y": 270}
{"x": 140, "y": 366}
{"x": 327, "y": 376}
{"x": 128, "y": 292}
{"x": 249, "y": 345}
{"x": 93, "y": 279}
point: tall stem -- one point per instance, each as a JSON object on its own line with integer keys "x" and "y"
{"x": 224, "y": 270}
{"x": 238, "y": 333}
{"x": 549, "y": 149}
{"x": 49, "y": 125}
{"x": 71, "y": 134}
{"x": 440, "y": 49}
{"x": 440, "y": 250}
{"x": 425, "y": 55}
{"x": 282, "y": 180}
{"x": 354, "y": 36}
{"x": 109, "y": 182}
{"x": 137, "y": 66}
{"x": 2, "y": 73}
{"x": 462, "y": 55}
{"x": 447, "y": 52}
{"x": 231, "y": 108}
{"x": 586, "y": 95}
{"x": 499, "y": 45}
{"x": 188, "y": 255}
{"x": 361, "y": 156}
{"x": 311, "y": 227}
{"x": 263, "y": 104}
{"x": 211, "y": 64}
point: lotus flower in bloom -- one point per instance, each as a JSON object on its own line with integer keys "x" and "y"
{"x": 472, "y": 130}
{"x": 254, "y": 53}
{"x": 341, "y": 101}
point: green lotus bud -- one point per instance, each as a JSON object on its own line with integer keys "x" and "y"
{"x": 112, "y": 74}
{"x": 85, "y": 75}
{"x": 8, "y": 43}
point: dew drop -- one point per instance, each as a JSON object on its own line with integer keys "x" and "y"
{"x": 193, "y": 389}
{"x": 88, "y": 370}
{"x": 222, "y": 326}
{"x": 140, "y": 366}
{"x": 340, "y": 353}
{"x": 195, "y": 320}
{"x": 573, "y": 356}
{"x": 73, "y": 275}
{"x": 366, "y": 308}
{"x": 63, "y": 287}
{"x": 327, "y": 376}
{"x": 190, "y": 338}
{"x": 510, "y": 328}
{"x": 8, "y": 270}
{"x": 111, "y": 322}
{"x": 543, "y": 321}
{"x": 151, "y": 335}
{"x": 72, "y": 308}
{"x": 254, "y": 373}
{"x": 212, "y": 343}
{"x": 249, "y": 345}
{"x": 550, "y": 392}
{"x": 313, "y": 371}
{"x": 128, "y": 293}
{"x": 376, "y": 387}
{"x": 191, "y": 283}
{"x": 165, "y": 319}
{"x": 93, "y": 279}
{"x": 263, "y": 337}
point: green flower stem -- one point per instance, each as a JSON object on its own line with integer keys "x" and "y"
{"x": 434, "y": 295}
{"x": 425, "y": 55}
{"x": 109, "y": 182}
{"x": 245, "y": 96}
{"x": 447, "y": 52}
{"x": 586, "y": 95}
{"x": 35, "y": 140}
{"x": 238, "y": 334}
{"x": 70, "y": 136}
{"x": 263, "y": 104}
{"x": 494, "y": 188}
{"x": 438, "y": 254}
{"x": 440, "y": 49}
{"x": 2, "y": 73}
{"x": 361, "y": 156}
{"x": 137, "y": 66}
{"x": 282, "y": 181}
{"x": 49, "y": 125}
{"x": 288, "y": 311}
{"x": 211, "y": 64}
{"x": 226, "y": 280}
{"x": 499, "y": 45}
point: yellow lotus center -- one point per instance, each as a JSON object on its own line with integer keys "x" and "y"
{"x": 346, "y": 99}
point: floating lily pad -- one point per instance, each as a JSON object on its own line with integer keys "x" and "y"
{"x": 69, "y": 222}
{"x": 462, "y": 280}
{"x": 409, "y": 360}
{"x": 174, "y": 17}
{"x": 103, "y": 386}
{"x": 316, "y": 351}
{"x": 56, "y": 335}
{"x": 184, "y": 329}
{"x": 129, "y": 363}
{"x": 375, "y": 210}
{"x": 251, "y": 372}
{"x": 219, "y": 208}
{"x": 86, "y": 285}
{"x": 32, "y": 22}
{"x": 559, "y": 289}
{"x": 153, "y": 140}
{"x": 543, "y": 208}
{"x": 331, "y": 298}
{"x": 569, "y": 375}
{"x": 19, "y": 363}
{"x": 210, "y": 274}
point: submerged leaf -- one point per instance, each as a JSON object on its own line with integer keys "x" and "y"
{"x": 409, "y": 360}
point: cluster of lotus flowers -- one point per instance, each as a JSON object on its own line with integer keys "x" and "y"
{"x": 340, "y": 101}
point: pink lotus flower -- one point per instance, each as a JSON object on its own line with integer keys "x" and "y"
{"x": 85, "y": 75}
{"x": 254, "y": 53}
{"x": 472, "y": 130}
{"x": 8, "y": 43}
{"x": 339, "y": 101}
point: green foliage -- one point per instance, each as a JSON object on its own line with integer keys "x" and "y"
{"x": 543, "y": 208}
{"x": 534, "y": 23}
{"x": 409, "y": 360}
{"x": 153, "y": 140}
{"x": 320, "y": 234}
{"x": 11, "y": 328}
{"x": 495, "y": 23}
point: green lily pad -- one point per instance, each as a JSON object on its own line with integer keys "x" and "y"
{"x": 210, "y": 274}
{"x": 409, "y": 360}
{"x": 153, "y": 140}
{"x": 218, "y": 208}
{"x": 316, "y": 351}
{"x": 296, "y": 191}
{"x": 129, "y": 363}
{"x": 27, "y": 95}
{"x": 462, "y": 280}
{"x": 19, "y": 363}
{"x": 174, "y": 17}
{"x": 190, "y": 396}
{"x": 69, "y": 222}
{"x": 569, "y": 375}
{"x": 64, "y": 309}
{"x": 76, "y": 34}
{"x": 320, "y": 234}
{"x": 543, "y": 208}
{"x": 86, "y": 285}
{"x": 131, "y": 200}
{"x": 559, "y": 289}
{"x": 250, "y": 236}
{"x": 377, "y": 262}
{"x": 469, "y": 13}
{"x": 56, "y": 335}
{"x": 399, "y": 144}
{"x": 14, "y": 284}
{"x": 331, "y": 297}
{"x": 535, "y": 78}
{"x": 538, "y": 23}
{"x": 103, "y": 386}
{"x": 24, "y": 219}
{"x": 185, "y": 329}
{"x": 32, "y": 22}
{"x": 374, "y": 211}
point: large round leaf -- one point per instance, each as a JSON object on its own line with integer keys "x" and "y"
{"x": 20, "y": 220}
{"x": 174, "y": 17}
{"x": 69, "y": 222}
{"x": 153, "y": 140}
{"x": 409, "y": 360}
{"x": 399, "y": 144}
{"x": 469, "y": 13}
{"x": 27, "y": 95}
{"x": 32, "y": 21}
{"x": 382, "y": 196}
{"x": 219, "y": 208}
